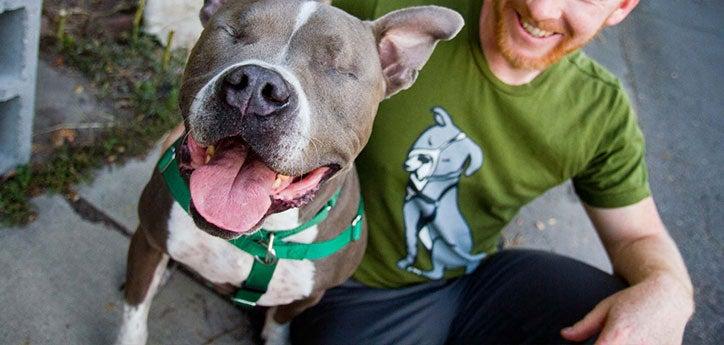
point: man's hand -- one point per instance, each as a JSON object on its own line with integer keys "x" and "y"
{"x": 654, "y": 311}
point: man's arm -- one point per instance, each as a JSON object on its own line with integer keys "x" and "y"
{"x": 659, "y": 302}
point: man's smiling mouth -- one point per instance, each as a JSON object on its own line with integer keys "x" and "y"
{"x": 532, "y": 29}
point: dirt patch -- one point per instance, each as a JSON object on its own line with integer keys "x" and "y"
{"x": 126, "y": 83}
{"x": 83, "y": 18}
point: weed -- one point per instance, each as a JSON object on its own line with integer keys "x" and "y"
{"x": 137, "y": 74}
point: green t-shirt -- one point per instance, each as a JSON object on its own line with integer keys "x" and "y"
{"x": 452, "y": 159}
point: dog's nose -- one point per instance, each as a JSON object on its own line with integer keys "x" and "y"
{"x": 255, "y": 90}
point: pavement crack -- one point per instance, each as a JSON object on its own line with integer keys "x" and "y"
{"x": 225, "y": 332}
{"x": 89, "y": 212}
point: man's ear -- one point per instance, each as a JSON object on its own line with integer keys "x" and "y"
{"x": 621, "y": 12}
{"x": 406, "y": 39}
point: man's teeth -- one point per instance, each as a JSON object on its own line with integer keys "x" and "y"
{"x": 280, "y": 179}
{"x": 535, "y": 31}
{"x": 210, "y": 151}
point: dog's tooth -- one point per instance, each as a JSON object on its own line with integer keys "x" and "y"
{"x": 277, "y": 182}
{"x": 210, "y": 151}
{"x": 280, "y": 179}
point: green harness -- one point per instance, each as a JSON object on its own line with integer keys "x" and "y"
{"x": 267, "y": 247}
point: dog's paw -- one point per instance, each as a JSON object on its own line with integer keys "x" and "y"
{"x": 414, "y": 270}
{"x": 134, "y": 330}
{"x": 273, "y": 332}
{"x": 131, "y": 336}
{"x": 432, "y": 275}
{"x": 405, "y": 263}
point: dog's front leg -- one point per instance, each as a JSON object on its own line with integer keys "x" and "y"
{"x": 146, "y": 266}
{"x": 276, "y": 325}
{"x": 412, "y": 217}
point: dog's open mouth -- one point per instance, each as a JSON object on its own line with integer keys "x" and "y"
{"x": 233, "y": 189}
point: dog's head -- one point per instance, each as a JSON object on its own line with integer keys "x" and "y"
{"x": 279, "y": 97}
{"x": 443, "y": 151}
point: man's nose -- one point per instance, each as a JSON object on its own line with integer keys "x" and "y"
{"x": 541, "y": 10}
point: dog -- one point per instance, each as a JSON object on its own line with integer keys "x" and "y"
{"x": 278, "y": 98}
{"x": 436, "y": 162}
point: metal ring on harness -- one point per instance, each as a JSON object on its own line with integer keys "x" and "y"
{"x": 270, "y": 257}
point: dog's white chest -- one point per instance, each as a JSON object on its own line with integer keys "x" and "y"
{"x": 220, "y": 262}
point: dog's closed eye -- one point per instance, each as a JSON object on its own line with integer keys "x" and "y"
{"x": 338, "y": 71}
{"x": 238, "y": 35}
{"x": 330, "y": 56}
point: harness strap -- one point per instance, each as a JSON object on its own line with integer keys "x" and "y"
{"x": 300, "y": 251}
{"x": 255, "y": 285}
{"x": 426, "y": 198}
{"x": 267, "y": 247}
{"x": 168, "y": 166}
{"x": 281, "y": 234}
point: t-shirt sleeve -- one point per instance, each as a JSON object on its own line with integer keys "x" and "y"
{"x": 362, "y": 9}
{"x": 617, "y": 175}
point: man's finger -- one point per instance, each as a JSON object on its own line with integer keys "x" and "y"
{"x": 613, "y": 334}
{"x": 589, "y": 325}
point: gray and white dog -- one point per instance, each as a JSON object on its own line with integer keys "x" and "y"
{"x": 278, "y": 98}
{"x": 436, "y": 162}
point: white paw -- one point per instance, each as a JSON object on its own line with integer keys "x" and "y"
{"x": 274, "y": 333}
{"x": 134, "y": 330}
{"x": 167, "y": 273}
{"x": 128, "y": 336}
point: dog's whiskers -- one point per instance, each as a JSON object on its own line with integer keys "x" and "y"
{"x": 313, "y": 141}
{"x": 186, "y": 136}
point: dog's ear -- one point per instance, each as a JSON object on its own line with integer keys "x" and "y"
{"x": 406, "y": 39}
{"x": 442, "y": 118}
{"x": 475, "y": 158}
{"x": 209, "y": 9}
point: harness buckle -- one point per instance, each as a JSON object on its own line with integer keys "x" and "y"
{"x": 356, "y": 220}
{"x": 270, "y": 257}
{"x": 356, "y": 230}
{"x": 244, "y": 302}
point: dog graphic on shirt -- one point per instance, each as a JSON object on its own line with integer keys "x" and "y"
{"x": 436, "y": 162}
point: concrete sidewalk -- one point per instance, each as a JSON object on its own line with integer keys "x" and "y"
{"x": 61, "y": 285}
{"x": 61, "y": 275}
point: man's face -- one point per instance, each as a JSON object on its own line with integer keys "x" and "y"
{"x": 534, "y": 34}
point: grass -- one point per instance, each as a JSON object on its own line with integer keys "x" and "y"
{"x": 137, "y": 74}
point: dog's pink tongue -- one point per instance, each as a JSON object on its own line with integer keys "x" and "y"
{"x": 231, "y": 192}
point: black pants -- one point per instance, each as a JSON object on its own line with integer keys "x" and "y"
{"x": 515, "y": 296}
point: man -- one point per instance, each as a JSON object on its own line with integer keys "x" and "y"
{"x": 505, "y": 111}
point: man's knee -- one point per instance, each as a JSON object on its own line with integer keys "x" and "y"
{"x": 544, "y": 269}
{"x": 538, "y": 281}
{"x": 533, "y": 295}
